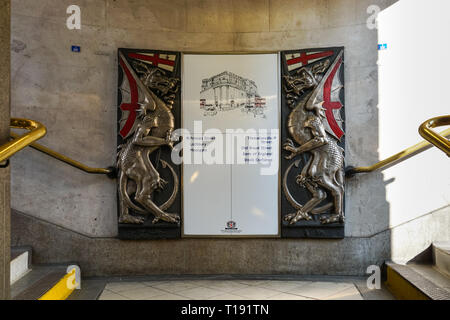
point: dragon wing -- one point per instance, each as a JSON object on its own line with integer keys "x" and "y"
{"x": 327, "y": 91}
{"x": 134, "y": 95}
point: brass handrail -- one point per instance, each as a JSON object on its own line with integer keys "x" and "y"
{"x": 37, "y": 131}
{"x": 409, "y": 152}
{"x": 108, "y": 171}
{"x": 439, "y": 140}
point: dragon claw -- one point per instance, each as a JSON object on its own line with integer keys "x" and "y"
{"x": 332, "y": 219}
{"x": 293, "y": 218}
{"x": 289, "y": 146}
{"x": 288, "y": 217}
{"x": 288, "y": 143}
{"x": 131, "y": 219}
{"x": 289, "y": 157}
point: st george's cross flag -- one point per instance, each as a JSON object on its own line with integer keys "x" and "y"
{"x": 161, "y": 60}
{"x": 297, "y": 60}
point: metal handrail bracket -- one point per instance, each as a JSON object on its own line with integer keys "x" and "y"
{"x": 36, "y": 131}
{"x": 439, "y": 140}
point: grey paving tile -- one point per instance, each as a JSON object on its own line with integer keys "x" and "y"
{"x": 200, "y": 293}
{"x": 253, "y": 282}
{"x": 145, "y": 293}
{"x": 168, "y": 296}
{"x": 231, "y": 290}
{"x": 227, "y": 296}
{"x": 174, "y": 286}
{"x": 109, "y": 295}
{"x": 284, "y": 286}
{"x": 156, "y": 283}
{"x": 320, "y": 290}
{"x": 255, "y": 293}
{"x": 225, "y": 286}
{"x": 118, "y": 287}
{"x": 347, "y": 294}
{"x": 288, "y": 296}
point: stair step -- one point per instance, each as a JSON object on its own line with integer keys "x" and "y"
{"x": 20, "y": 262}
{"x": 90, "y": 290}
{"x": 441, "y": 257}
{"x": 430, "y": 273}
{"x": 37, "y": 282}
{"x": 416, "y": 282}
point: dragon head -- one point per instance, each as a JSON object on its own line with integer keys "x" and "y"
{"x": 299, "y": 82}
{"x": 156, "y": 79}
{"x": 304, "y": 79}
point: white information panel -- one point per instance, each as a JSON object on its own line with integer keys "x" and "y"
{"x": 230, "y": 114}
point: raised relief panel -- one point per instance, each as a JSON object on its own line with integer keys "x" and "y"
{"x": 313, "y": 142}
{"x": 149, "y": 110}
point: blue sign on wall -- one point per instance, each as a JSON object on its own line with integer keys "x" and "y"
{"x": 76, "y": 48}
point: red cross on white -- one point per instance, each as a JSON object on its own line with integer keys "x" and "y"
{"x": 300, "y": 59}
{"x": 160, "y": 60}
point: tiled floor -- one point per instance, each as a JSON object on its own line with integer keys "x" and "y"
{"x": 231, "y": 290}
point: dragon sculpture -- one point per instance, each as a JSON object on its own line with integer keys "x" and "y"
{"x": 324, "y": 171}
{"x": 152, "y": 130}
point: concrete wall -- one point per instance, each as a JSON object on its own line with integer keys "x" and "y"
{"x": 74, "y": 94}
{"x": 4, "y": 135}
{"x": 410, "y": 238}
{"x": 113, "y": 257}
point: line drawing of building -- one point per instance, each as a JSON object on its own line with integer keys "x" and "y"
{"x": 228, "y": 91}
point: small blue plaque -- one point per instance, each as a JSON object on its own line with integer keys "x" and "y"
{"x": 76, "y": 49}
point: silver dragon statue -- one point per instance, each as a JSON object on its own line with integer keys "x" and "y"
{"x": 152, "y": 130}
{"x": 324, "y": 171}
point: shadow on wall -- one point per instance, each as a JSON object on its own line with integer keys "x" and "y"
{"x": 367, "y": 208}
{"x": 412, "y": 90}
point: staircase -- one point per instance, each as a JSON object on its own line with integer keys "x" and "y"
{"x": 46, "y": 282}
{"x": 425, "y": 278}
